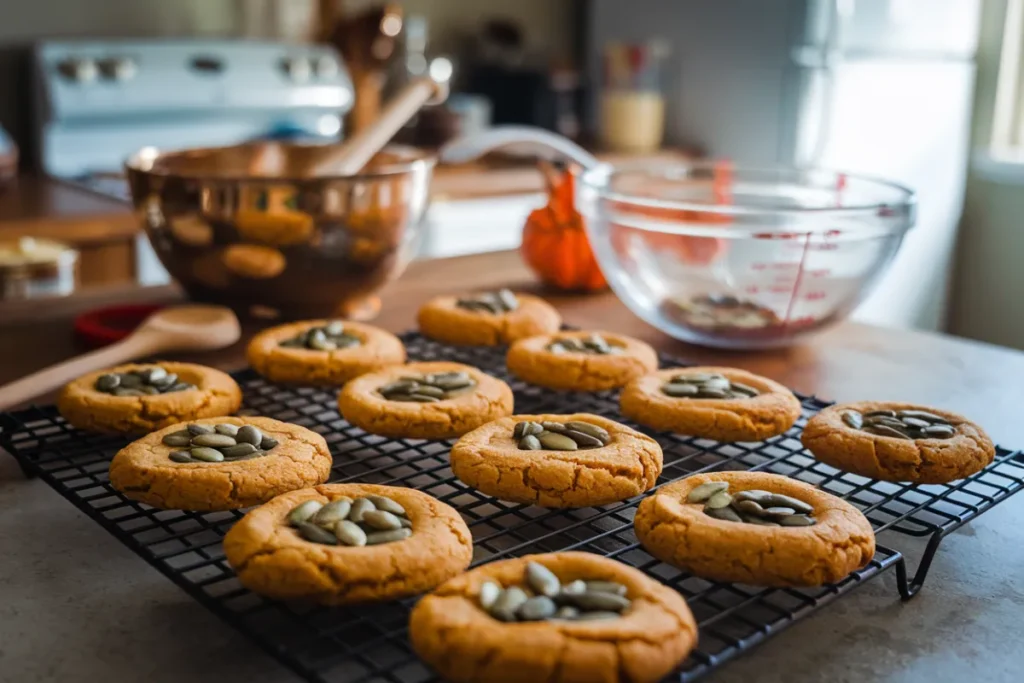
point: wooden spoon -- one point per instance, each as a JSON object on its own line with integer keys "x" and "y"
{"x": 178, "y": 328}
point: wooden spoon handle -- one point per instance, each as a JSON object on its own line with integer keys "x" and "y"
{"x": 350, "y": 157}
{"x": 135, "y": 346}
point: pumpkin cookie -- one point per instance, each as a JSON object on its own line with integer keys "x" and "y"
{"x": 557, "y": 617}
{"x": 898, "y": 442}
{"x": 487, "y": 319}
{"x": 724, "y": 404}
{"x": 756, "y": 528}
{"x": 436, "y": 400}
{"x": 138, "y": 398}
{"x": 347, "y": 543}
{"x": 220, "y": 463}
{"x": 322, "y": 352}
{"x": 581, "y": 361}
{"x": 557, "y": 461}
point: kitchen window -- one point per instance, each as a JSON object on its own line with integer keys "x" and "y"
{"x": 1002, "y": 159}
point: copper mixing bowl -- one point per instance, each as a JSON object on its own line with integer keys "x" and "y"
{"x": 275, "y": 244}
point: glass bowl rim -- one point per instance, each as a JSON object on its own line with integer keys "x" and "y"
{"x": 598, "y": 179}
{"x": 142, "y": 160}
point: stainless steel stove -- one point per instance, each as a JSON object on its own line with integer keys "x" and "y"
{"x": 97, "y": 102}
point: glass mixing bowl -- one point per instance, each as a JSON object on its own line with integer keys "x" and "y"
{"x": 744, "y": 258}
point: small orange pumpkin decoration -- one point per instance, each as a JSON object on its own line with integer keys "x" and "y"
{"x": 555, "y": 243}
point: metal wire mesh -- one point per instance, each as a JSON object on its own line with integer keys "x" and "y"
{"x": 370, "y": 643}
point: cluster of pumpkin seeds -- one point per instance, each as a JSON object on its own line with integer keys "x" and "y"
{"x": 144, "y": 382}
{"x": 706, "y": 385}
{"x": 430, "y": 388}
{"x": 544, "y": 598}
{"x": 218, "y": 443}
{"x": 370, "y": 520}
{"x": 721, "y": 311}
{"x": 502, "y": 301}
{"x": 595, "y": 345}
{"x": 752, "y": 506}
{"x": 554, "y": 436}
{"x": 901, "y": 424}
{"x": 326, "y": 338}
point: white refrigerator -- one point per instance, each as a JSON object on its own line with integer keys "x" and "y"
{"x": 880, "y": 87}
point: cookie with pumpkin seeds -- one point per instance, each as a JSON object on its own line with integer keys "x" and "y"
{"x": 487, "y": 318}
{"x": 724, "y": 404}
{"x": 581, "y": 360}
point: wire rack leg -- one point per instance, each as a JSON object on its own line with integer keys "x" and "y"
{"x": 910, "y": 587}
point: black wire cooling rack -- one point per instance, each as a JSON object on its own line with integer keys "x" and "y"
{"x": 370, "y": 644}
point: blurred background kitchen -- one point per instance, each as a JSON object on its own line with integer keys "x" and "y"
{"x": 924, "y": 93}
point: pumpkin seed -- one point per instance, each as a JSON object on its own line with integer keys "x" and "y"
{"x": 743, "y": 388}
{"x": 178, "y": 439}
{"x": 796, "y": 520}
{"x": 596, "y": 616}
{"x": 939, "y": 431}
{"x": 122, "y": 392}
{"x": 530, "y": 443}
{"x": 517, "y": 431}
{"x": 727, "y": 514}
{"x": 749, "y": 507}
{"x": 593, "y": 344}
{"x": 180, "y": 456}
{"x": 360, "y": 507}
{"x": 226, "y": 429}
{"x": 537, "y": 608}
{"x": 207, "y": 454}
{"x": 776, "y": 512}
{"x": 405, "y": 522}
{"x": 334, "y": 328}
{"x": 349, "y": 533}
{"x": 569, "y": 613}
{"x": 719, "y": 500}
{"x": 759, "y": 521}
{"x": 756, "y": 495}
{"x": 508, "y": 603}
{"x": 108, "y": 383}
{"x": 381, "y": 520}
{"x": 249, "y": 434}
{"x": 542, "y": 580}
{"x": 427, "y": 390}
{"x": 557, "y": 442}
{"x": 584, "y": 440}
{"x": 315, "y": 534}
{"x": 332, "y": 513}
{"x": 591, "y": 429}
{"x": 853, "y": 419}
{"x": 238, "y": 450}
{"x": 197, "y": 429}
{"x": 701, "y": 493}
{"x": 304, "y": 512}
{"x": 379, "y": 537}
{"x": 502, "y": 301}
{"x": 575, "y": 587}
{"x": 916, "y": 422}
{"x": 148, "y": 390}
{"x": 923, "y": 415}
{"x": 781, "y": 500}
{"x": 387, "y": 504}
{"x": 598, "y": 601}
{"x": 606, "y": 587}
{"x": 489, "y": 592}
{"x": 883, "y": 430}
{"x": 130, "y": 380}
{"x": 215, "y": 440}
{"x": 712, "y": 393}
{"x": 880, "y": 413}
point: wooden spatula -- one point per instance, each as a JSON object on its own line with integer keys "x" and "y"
{"x": 179, "y": 328}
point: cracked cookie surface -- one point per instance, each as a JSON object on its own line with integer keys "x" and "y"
{"x": 681, "y": 534}
{"x": 271, "y": 558}
{"x": 489, "y": 460}
{"x": 922, "y": 461}
{"x": 377, "y": 349}
{"x": 361, "y": 404}
{"x": 216, "y": 393}
{"x": 144, "y": 472}
{"x": 774, "y": 410}
{"x": 443, "y": 320}
{"x": 453, "y": 634}
{"x": 531, "y": 361}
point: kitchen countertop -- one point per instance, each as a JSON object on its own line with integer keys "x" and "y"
{"x": 75, "y": 605}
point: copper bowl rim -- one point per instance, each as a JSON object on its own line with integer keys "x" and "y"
{"x": 141, "y": 162}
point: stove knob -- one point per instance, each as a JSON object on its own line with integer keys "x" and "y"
{"x": 78, "y": 70}
{"x": 118, "y": 68}
{"x": 297, "y": 69}
{"x": 325, "y": 67}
